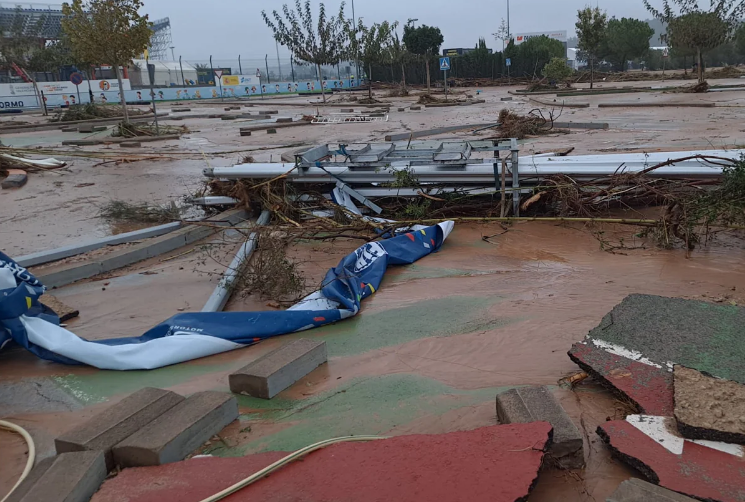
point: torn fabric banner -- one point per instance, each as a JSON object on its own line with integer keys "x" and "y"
{"x": 192, "y": 335}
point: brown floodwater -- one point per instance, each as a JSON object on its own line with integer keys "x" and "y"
{"x": 523, "y": 298}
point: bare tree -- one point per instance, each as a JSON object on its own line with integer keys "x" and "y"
{"x": 321, "y": 42}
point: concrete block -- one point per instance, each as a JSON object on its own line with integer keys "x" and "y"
{"x": 181, "y": 110}
{"x": 269, "y": 112}
{"x": 85, "y": 128}
{"x": 284, "y": 120}
{"x": 271, "y": 131}
{"x": 112, "y": 426}
{"x": 130, "y": 144}
{"x": 16, "y": 179}
{"x": 636, "y": 490}
{"x": 271, "y": 374}
{"x": 69, "y": 129}
{"x": 415, "y": 108}
{"x": 70, "y": 477}
{"x": 402, "y": 109}
{"x": 509, "y": 98}
{"x": 178, "y": 431}
{"x": 99, "y": 128}
{"x": 347, "y": 110}
{"x": 214, "y": 116}
{"x": 228, "y": 117}
{"x": 228, "y": 108}
{"x": 537, "y": 403}
{"x": 245, "y": 133}
{"x": 63, "y": 311}
{"x": 708, "y": 408}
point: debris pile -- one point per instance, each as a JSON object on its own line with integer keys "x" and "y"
{"x": 668, "y": 358}
{"x": 134, "y": 130}
{"x": 90, "y": 111}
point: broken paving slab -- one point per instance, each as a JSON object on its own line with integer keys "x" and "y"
{"x": 666, "y": 331}
{"x": 16, "y": 178}
{"x": 179, "y": 431}
{"x": 499, "y": 463}
{"x": 63, "y": 311}
{"x": 709, "y": 408}
{"x": 648, "y": 387}
{"x": 534, "y": 404}
{"x": 705, "y": 470}
{"x": 115, "y": 424}
{"x": 274, "y": 372}
{"x": 34, "y": 395}
{"x": 636, "y": 490}
{"x": 70, "y": 477}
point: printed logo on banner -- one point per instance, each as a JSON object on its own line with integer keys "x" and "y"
{"x": 104, "y": 85}
{"x": 367, "y": 255}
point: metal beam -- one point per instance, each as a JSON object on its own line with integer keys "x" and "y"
{"x": 222, "y": 292}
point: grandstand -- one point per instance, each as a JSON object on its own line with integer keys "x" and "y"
{"x": 50, "y": 16}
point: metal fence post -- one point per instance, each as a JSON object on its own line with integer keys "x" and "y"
{"x": 240, "y": 70}
{"x": 212, "y": 75}
{"x": 183, "y": 80}
{"x": 266, "y": 62}
{"x": 514, "y": 149}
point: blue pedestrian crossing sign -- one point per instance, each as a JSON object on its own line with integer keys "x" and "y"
{"x": 508, "y": 61}
{"x": 444, "y": 64}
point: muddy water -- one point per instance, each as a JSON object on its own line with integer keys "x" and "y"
{"x": 428, "y": 352}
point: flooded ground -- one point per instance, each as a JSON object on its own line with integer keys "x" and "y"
{"x": 428, "y": 352}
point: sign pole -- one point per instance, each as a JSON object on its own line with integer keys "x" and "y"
{"x": 151, "y": 74}
{"x": 218, "y": 75}
{"x": 445, "y": 66}
{"x": 77, "y": 88}
{"x": 446, "y": 85}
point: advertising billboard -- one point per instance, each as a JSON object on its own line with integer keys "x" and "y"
{"x": 560, "y": 35}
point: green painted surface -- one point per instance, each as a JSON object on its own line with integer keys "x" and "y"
{"x": 99, "y": 387}
{"x": 439, "y": 317}
{"x": 372, "y": 405}
{"x": 704, "y": 336}
{"x": 413, "y": 272}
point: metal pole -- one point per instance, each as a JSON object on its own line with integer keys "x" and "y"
{"x": 183, "y": 80}
{"x": 514, "y": 150}
{"x": 173, "y": 54}
{"x": 279, "y": 65}
{"x": 152, "y": 100}
{"x": 240, "y": 70}
{"x": 212, "y": 75}
{"x": 292, "y": 69}
{"x": 266, "y": 62}
{"x": 509, "y": 34}
{"x": 356, "y": 53}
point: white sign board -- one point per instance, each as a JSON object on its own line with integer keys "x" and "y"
{"x": 218, "y": 73}
{"x": 65, "y": 87}
{"x": 560, "y": 35}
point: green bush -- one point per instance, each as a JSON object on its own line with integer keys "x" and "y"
{"x": 557, "y": 70}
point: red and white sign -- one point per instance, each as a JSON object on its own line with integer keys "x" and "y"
{"x": 218, "y": 73}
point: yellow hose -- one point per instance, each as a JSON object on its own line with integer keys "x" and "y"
{"x": 284, "y": 461}
{"x": 31, "y": 452}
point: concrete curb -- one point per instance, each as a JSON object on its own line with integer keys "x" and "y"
{"x": 432, "y": 132}
{"x": 656, "y": 105}
{"x": 562, "y": 104}
{"x": 144, "y": 139}
{"x": 29, "y": 260}
{"x": 72, "y": 272}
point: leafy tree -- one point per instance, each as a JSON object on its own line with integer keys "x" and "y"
{"x": 424, "y": 41}
{"x": 740, "y": 40}
{"x": 626, "y": 39}
{"x": 321, "y": 42}
{"x": 374, "y": 45}
{"x": 529, "y": 58}
{"x": 692, "y": 28}
{"x": 591, "y": 25}
{"x": 503, "y": 33}
{"x": 398, "y": 55}
{"x": 20, "y": 43}
{"x": 107, "y": 32}
{"x": 557, "y": 70}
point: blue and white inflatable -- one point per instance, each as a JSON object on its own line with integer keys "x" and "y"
{"x": 187, "y": 336}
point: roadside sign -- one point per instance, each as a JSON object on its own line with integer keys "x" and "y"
{"x": 508, "y": 62}
{"x": 444, "y": 64}
{"x": 665, "y": 53}
{"x": 77, "y": 79}
{"x": 218, "y": 73}
{"x": 258, "y": 73}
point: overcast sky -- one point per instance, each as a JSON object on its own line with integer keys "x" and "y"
{"x": 227, "y": 28}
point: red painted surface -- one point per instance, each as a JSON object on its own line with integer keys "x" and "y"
{"x": 649, "y": 387}
{"x": 495, "y": 464}
{"x": 699, "y": 471}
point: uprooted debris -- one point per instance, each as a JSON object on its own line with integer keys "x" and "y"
{"x": 695, "y": 88}
{"x": 132, "y": 130}
{"x": 91, "y": 111}
{"x": 512, "y": 125}
{"x": 119, "y": 211}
